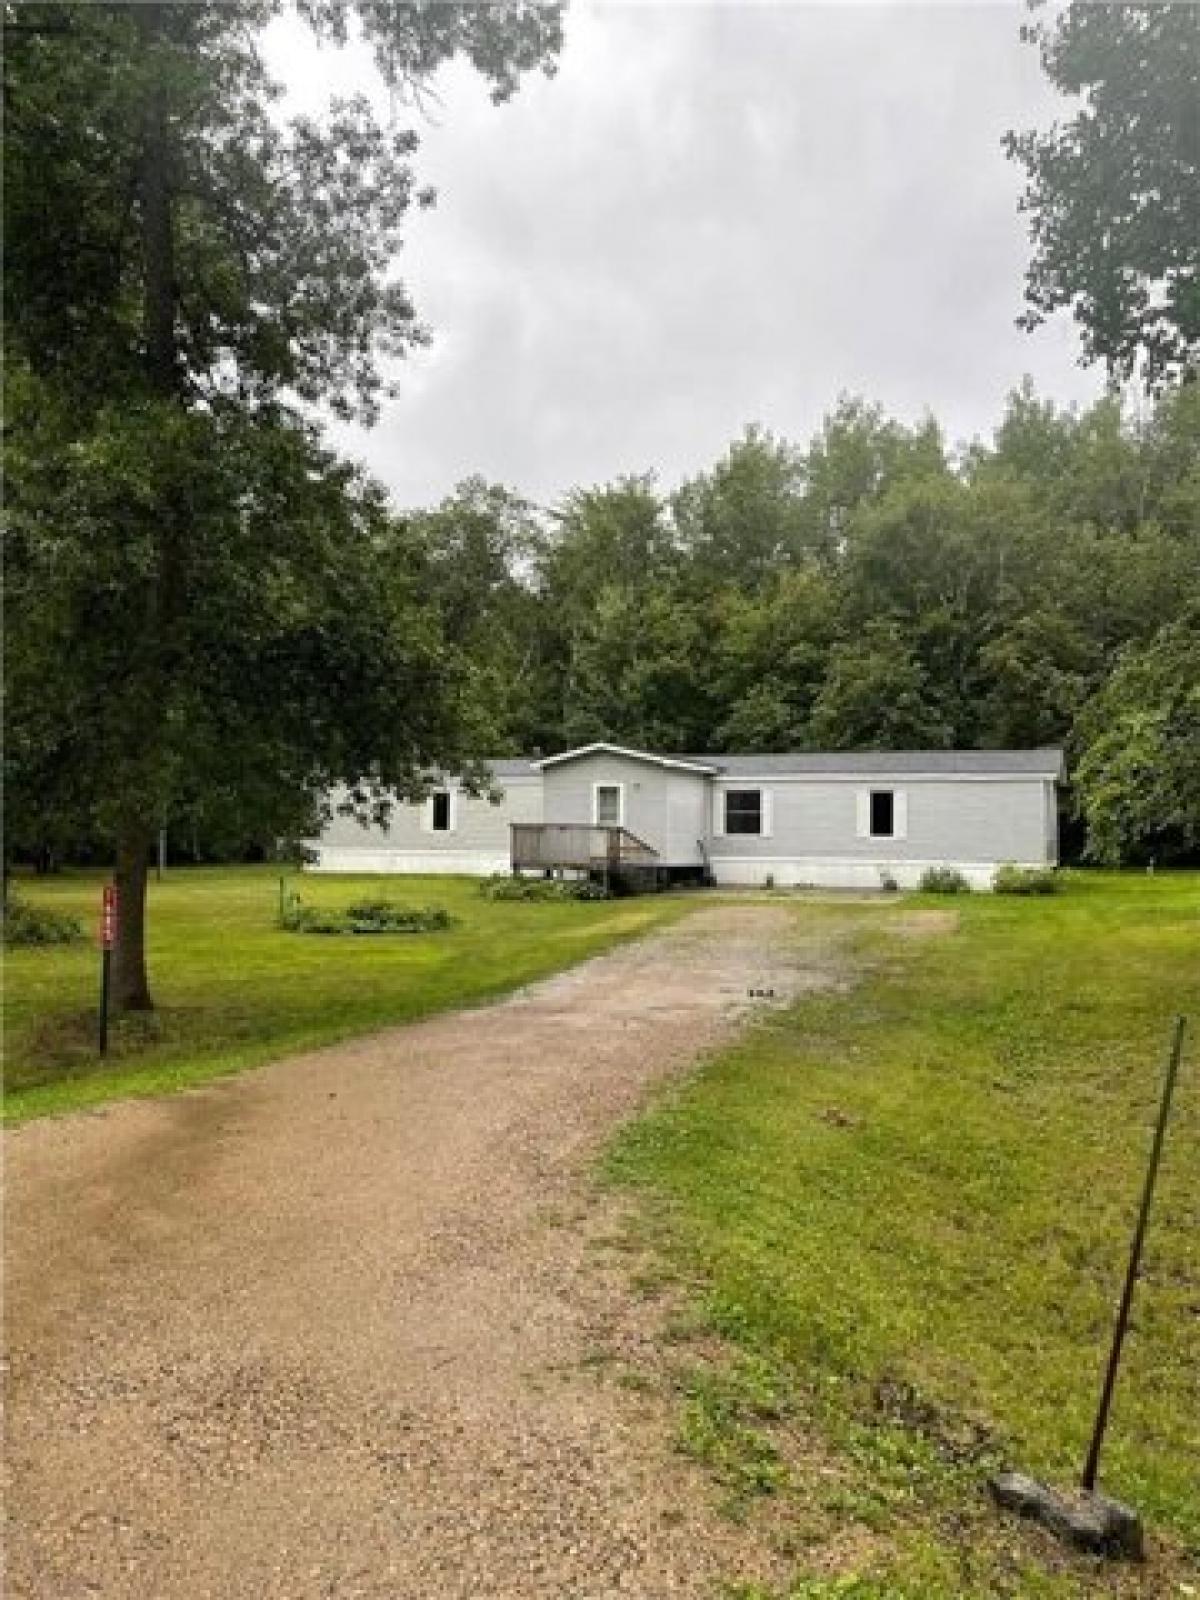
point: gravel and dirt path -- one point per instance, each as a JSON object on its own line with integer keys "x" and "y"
{"x": 320, "y": 1330}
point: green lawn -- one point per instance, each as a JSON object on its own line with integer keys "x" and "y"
{"x": 908, "y": 1207}
{"x": 234, "y": 990}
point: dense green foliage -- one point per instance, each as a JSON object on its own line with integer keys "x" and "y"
{"x": 1113, "y": 192}
{"x": 364, "y": 916}
{"x": 1009, "y": 879}
{"x": 24, "y": 924}
{"x": 210, "y": 618}
{"x": 535, "y": 889}
{"x": 944, "y": 880}
{"x": 907, "y": 1205}
{"x": 237, "y": 989}
{"x": 1139, "y": 779}
{"x": 871, "y": 589}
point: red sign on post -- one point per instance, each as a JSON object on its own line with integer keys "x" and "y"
{"x": 108, "y": 917}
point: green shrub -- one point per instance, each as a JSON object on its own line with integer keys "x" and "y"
{"x": 1026, "y": 880}
{"x": 36, "y": 925}
{"x": 585, "y": 889}
{"x": 381, "y": 916}
{"x": 308, "y": 919}
{"x": 504, "y": 887}
{"x": 364, "y": 916}
{"x": 943, "y": 880}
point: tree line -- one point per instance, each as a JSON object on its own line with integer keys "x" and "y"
{"x": 870, "y": 589}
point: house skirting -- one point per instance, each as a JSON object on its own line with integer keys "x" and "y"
{"x": 467, "y": 863}
{"x": 828, "y": 872}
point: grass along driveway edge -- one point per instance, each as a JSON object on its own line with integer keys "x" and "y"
{"x": 234, "y": 990}
{"x": 907, "y": 1207}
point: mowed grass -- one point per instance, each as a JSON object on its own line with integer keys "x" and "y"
{"x": 234, "y": 990}
{"x": 909, "y": 1207}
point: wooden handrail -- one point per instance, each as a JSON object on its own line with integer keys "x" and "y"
{"x": 581, "y": 845}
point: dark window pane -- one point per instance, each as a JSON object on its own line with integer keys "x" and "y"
{"x": 882, "y": 814}
{"x": 743, "y": 811}
{"x": 608, "y": 805}
{"x": 441, "y": 812}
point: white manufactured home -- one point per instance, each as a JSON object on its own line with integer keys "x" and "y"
{"x": 849, "y": 821}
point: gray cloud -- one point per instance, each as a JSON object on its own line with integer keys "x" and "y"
{"x": 713, "y": 214}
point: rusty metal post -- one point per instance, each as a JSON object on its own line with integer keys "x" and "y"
{"x": 1092, "y": 1465}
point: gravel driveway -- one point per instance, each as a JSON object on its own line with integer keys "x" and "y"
{"x": 321, "y": 1330}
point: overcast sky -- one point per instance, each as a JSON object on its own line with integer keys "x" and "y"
{"x": 711, "y": 215}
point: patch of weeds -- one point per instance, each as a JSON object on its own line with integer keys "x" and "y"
{"x": 844, "y": 1588}
{"x": 864, "y": 1504}
{"x": 943, "y": 880}
{"x": 364, "y": 916}
{"x": 652, "y": 1281}
{"x": 1027, "y": 880}
{"x": 723, "y": 1426}
{"x": 958, "y": 1438}
{"x": 596, "y": 1357}
{"x": 900, "y": 1451}
{"x": 636, "y": 1381}
{"x": 505, "y": 887}
{"x": 26, "y": 925}
{"x": 71, "y": 1039}
{"x": 685, "y": 1325}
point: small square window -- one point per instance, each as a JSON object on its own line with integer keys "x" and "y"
{"x": 743, "y": 811}
{"x": 883, "y": 814}
{"x": 441, "y": 812}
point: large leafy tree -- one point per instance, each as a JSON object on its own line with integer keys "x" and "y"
{"x": 858, "y": 454}
{"x": 1138, "y": 776}
{"x": 210, "y": 612}
{"x": 877, "y": 696}
{"x": 772, "y": 651}
{"x": 741, "y": 520}
{"x": 1113, "y": 193}
{"x": 481, "y": 547}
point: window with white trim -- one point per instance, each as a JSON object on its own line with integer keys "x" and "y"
{"x": 607, "y": 805}
{"x": 439, "y": 816}
{"x": 883, "y": 814}
{"x": 744, "y": 811}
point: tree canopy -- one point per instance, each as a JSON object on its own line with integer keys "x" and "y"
{"x": 1113, "y": 193}
{"x": 864, "y": 590}
{"x": 210, "y": 616}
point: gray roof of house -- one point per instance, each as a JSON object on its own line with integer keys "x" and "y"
{"x": 511, "y": 767}
{"x": 1046, "y": 763}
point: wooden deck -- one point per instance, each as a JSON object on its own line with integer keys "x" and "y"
{"x": 577, "y": 847}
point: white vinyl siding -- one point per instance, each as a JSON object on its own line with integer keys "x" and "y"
{"x": 900, "y": 814}
{"x": 936, "y": 819}
{"x": 813, "y": 828}
{"x": 477, "y": 841}
{"x": 665, "y": 807}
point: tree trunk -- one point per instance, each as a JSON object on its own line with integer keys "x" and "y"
{"x": 130, "y": 986}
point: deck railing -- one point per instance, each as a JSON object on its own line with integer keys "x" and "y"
{"x": 576, "y": 846}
